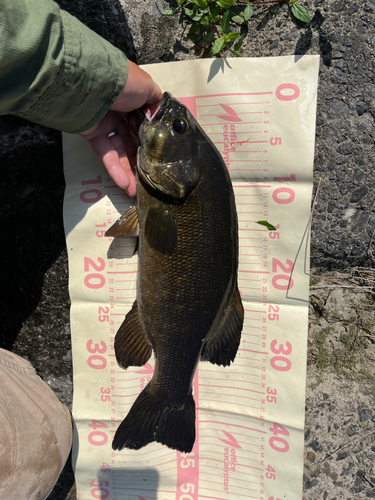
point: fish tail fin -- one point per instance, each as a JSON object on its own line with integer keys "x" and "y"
{"x": 152, "y": 419}
{"x": 176, "y": 428}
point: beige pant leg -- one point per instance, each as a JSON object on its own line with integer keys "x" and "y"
{"x": 35, "y": 432}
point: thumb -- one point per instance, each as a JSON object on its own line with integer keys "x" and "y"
{"x": 139, "y": 89}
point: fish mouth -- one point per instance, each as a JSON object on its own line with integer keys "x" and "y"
{"x": 143, "y": 173}
{"x": 150, "y": 181}
{"x": 147, "y": 178}
{"x": 162, "y": 189}
{"x": 160, "y": 110}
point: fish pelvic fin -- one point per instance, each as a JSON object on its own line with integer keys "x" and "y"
{"x": 132, "y": 347}
{"x": 153, "y": 419}
{"x": 220, "y": 347}
{"x": 127, "y": 226}
{"x": 160, "y": 228}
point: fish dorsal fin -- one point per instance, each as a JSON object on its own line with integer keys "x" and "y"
{"x": 126, "y": 226}
{"x": 132, "y": 347}
{"x": 220, "y": 347}
{"x": 160, "y": 228}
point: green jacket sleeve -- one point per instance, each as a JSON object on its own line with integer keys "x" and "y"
{"x": 53, "y": 69}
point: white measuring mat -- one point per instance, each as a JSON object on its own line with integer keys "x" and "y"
{"x": 260, "y": 113}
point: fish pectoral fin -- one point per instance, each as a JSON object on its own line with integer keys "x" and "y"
{"x": 127, "y": 226}
{"x": 160, "y": 228}
{"x": 221, "y": 347}
{"x": 132, "y": 347}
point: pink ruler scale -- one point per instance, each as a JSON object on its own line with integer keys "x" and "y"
{"x": 247, "y": 435}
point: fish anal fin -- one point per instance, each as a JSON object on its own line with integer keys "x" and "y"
{"x": 160, "y": 229}
{"x": 220, "y": 347}
{"x": 127, "y": 226}
{"x": 132, "y": 347}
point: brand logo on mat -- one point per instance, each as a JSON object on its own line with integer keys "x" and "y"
{"x": 146, "y": 370}
{"x": 232, "y": 116}
{"x": 230, "y": 458}
{"x": 231, "y": 441}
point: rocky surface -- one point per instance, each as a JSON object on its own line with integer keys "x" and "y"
{"x": 340, "y": 441}
{"x": 340, "y": 416}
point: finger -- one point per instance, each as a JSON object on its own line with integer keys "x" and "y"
{"x": 105, "y": 126}
{"x": 126, "y": 150}
{"x": 129, "y": 142}
{"x": 141, "y": 83}
{"x": 135, "y": 120}
{"x": 106, "y": 151}
{"x": 154, "y": 98}
{"x": 122, "y": 151}
{"x": 139, "y": 89}
{"x": 132, "y": 189}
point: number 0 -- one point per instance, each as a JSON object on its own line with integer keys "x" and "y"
{"x": 281, "y": 364}
{"x": 90, "y": 195}
{"x": 279, "y": 440}
{"x": 94, "y": 285}
{"x": 283, "y": 201}
{"x": 101, "y": 493}
{"x": 287, "y": 86}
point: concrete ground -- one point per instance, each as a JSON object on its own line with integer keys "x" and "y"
{"x": 340, "y": 415}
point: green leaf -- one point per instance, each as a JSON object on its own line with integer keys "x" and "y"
{"x": 170, "y": 12}
{"x": 200, "y": 3}
{"x": 226, "y": 4}
{"x": 238, "y": 45}
{"x": 198, "y": 16}
{"x": 231, "y": 37}
{"x": 206, "y": 21}
{"x": 225, "y": 21}
{"x": 215, "y": 11}
{"x": 218, "y": 46}
{"x": 248, "y": 12}
{"x": 237, "y": 19}
{"x": 301, "y": 13}
{"x": 209, "y": 38}
{"x": 269, "y": 226}
{"x": 189, "y": 12}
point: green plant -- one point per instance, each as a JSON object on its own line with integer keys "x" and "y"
{"x": 300, "y": 12}
{"x": 269, "y": 226}
{"x": 214, "y": 21}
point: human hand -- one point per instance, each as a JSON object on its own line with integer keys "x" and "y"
{"x": 118, "y": 152}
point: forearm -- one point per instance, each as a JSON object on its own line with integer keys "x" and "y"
{"x": 53, "y": 69}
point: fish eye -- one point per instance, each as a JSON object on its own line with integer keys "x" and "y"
{"x": 180, "y": 125}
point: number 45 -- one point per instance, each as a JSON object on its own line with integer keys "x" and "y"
{"x": 271, "y": 473}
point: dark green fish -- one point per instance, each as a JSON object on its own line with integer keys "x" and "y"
{"x": 188, "y": 306}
